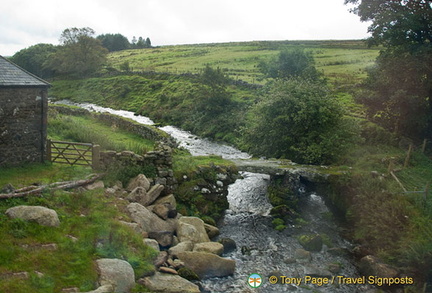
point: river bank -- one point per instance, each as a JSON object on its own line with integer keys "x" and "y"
{"x": 266, "y": 224}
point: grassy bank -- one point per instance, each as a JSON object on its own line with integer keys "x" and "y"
{"x": 63, "y": 257}
{"x": 385, "y": 217}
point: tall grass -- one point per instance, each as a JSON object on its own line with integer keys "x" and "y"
{"x": 87, "y": 129}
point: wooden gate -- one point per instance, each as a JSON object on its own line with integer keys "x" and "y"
{"x": 73, "y": 153}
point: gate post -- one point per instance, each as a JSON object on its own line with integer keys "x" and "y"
{"x": 48, "y": 150}
{"x": 95, "y": 157}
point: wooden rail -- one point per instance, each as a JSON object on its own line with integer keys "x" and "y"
{"x": 73, "y": 153}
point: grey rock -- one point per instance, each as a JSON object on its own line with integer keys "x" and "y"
{"x": 372, "y": 266}
{"x": 210, "y": 247}
{"x": 96, "y": 185}
{"x": 116, "y": 272}
{"x": 152, "y": 243}
{"x": 147, "y": 220}
{"x": 161, "y": 210}
{"x": 229, "y": 244}
{"x": 164, "y": 238}
{"x": 103, "y": 289}
{"x": 154, "y": 193}
{"x": 192, "y": 228}
{"x": 302, "y": 256}
{"x": 207, "y": 265}
{"x": 317, "y": 272}
{"x": 139, "y": 195}
{"x": 139, "y": 181}
{"x": 169, "y": 199}
{"x": 168, "y": 283}
{"x": 212, "y": 231}
{"x": 181, "y": 247}
{"x": 133, "y": 226}
{"x": 41, "y": 215}
{"x": 161, "y": 259}
{"x": 311, "y": 242}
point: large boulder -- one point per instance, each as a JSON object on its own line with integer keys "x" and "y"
{"x": 168, "y": 283}
{"x": 41, "y": 215}
{"x": 311, "y": 242}
{"x": 228, "y": 244}
{"x": 181, "y": 247}
{"x": 162, "y": 210}
{"x": 116, "y": 272}
{"x": 154, "y": 193}
{"x": 207, "y": 265}
{"x": 212, "y": 231}
{"x": 152, "y": 243}
{"x": 138, "y": 194}
{"x": 168, "y": 199}
{"x": 191, "y": 229}
{"x": 210, "y": 247}
{"x": 164, "y": 238}
{"x": 139, "y": 181}
{"x": 148, "y": 221}
{"x": 372, "y": 266}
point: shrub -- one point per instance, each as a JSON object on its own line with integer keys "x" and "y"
{"x": 299, "y": 119}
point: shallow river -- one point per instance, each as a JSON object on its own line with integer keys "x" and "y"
{"x": 261, "y": 249}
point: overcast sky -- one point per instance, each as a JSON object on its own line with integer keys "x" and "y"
{"x": 168, "y": 22}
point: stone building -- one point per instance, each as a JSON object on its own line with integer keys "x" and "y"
{"x": 23, "y": 115}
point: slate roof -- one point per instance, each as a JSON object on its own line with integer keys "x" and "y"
{"x": 11, "y": 75}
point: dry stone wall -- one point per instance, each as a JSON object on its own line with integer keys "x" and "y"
{"x": 160, "y": 158}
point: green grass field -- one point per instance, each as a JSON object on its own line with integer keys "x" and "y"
{"x": 240, "y": 60}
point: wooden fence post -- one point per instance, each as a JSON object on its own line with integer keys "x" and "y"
{"x": 408, "y": 156}
{"x": 48, "y": 150}
{"x": 95, "y": 157}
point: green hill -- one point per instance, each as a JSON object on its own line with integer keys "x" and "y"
{"x": 240, "y": 60}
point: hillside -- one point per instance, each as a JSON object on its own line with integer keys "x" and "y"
{"x": 239, "y": 60}
{"x": 164, "y": 84}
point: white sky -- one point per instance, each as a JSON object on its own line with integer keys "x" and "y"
{"x": 168, "y": 22}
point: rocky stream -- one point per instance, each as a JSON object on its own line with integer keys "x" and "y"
{"x": 268, "y": 260}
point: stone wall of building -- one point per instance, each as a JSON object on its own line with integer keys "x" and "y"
{"x": 23, "y": 125}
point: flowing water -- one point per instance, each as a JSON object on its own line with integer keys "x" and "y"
{"x": 261, "y": 249}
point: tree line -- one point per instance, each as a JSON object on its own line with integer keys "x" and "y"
{"x": 80, "y": 53}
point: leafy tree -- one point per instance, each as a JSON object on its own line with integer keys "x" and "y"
{"x": 290, "y": 63}
{"x": 80, "y": 53}
{"x": 396, "y": 22}
{"x": 298, "y": 119}
{"x": 148, "y": 43}
{"x": 34, "y": 59}
{"x": 114, "y": 42}
{"x": 399, "y": 88}
{"x": 213, "y": 108}
{"x": 397, "y": 92}
{"x": 141, "y": 43}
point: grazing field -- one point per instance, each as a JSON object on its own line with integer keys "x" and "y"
{"x": 337, "y": 59}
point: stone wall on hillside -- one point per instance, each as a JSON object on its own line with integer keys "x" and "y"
{"x": 23, "y": 122}
{"x": 145, "y": 131}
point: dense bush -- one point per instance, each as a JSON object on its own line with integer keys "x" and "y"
{"x": 299, "y": 120}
